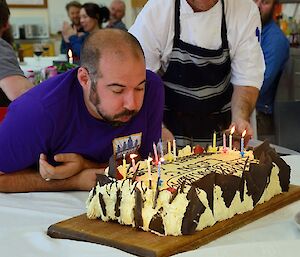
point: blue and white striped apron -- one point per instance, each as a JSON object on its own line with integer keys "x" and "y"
{"x": 198, "y": 89}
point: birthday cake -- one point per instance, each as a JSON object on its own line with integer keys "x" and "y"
{"x": 192, "y": 192}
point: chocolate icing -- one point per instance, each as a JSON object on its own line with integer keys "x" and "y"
{"x": 102, "y": 204}
{"x": 229, "y": 185}
{"x": 156, "y": 223}
{"x": 258, "y": 176}
{"x": 207, "y": 184}
{"x": 139, "y": 204}
{"x": 103, "y": 180}
{"x": 118, "y": 202}
{"x": 112, "y": 168}
{"x": 192, "y": 214}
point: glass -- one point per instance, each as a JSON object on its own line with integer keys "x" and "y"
{"x": 45, "y": 46}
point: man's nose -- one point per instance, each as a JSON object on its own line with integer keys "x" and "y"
{"x": 131, "y": 101}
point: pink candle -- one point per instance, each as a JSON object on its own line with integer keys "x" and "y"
{"x": 155, "y": 153}
{"x": 132, "y": 156}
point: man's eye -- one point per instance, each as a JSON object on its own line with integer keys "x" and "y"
{"x": 117, "y": 91}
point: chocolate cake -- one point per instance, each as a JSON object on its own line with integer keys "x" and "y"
{"x": 192, "y": 192}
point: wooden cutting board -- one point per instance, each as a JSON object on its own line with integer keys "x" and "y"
{"x": 147, "y": 244}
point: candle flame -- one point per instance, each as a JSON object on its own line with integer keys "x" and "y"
{"x": 244, "y": 133}
{"x": 133, "y": 155}
{"x": 70, "y": 54}
{"x": 232, "y": 130}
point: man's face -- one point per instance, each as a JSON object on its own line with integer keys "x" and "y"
{"x": 73, "y": 14}
{"x": 118, "y": 94}
{"x": 266, "y": 8}
{"x": 117, "y": 11}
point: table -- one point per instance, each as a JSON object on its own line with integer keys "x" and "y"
{"x": 24, "y": 219}
{"x": 35, "y": 64}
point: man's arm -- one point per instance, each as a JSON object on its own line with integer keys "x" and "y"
{"x": 31, "y": 181}
{"x": 242, "y": 105}
{"x": 14, "y": 86}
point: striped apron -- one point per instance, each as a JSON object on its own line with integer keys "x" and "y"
{"x": 198, "y": 89}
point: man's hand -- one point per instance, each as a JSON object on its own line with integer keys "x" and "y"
{"x": 71, "y": 164}
{"x": 166, "y": 135}
{"x": 86, "y": 179}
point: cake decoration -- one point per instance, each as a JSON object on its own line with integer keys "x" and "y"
{"x": 189, "y": 192}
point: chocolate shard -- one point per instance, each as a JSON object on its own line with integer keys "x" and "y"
{"x": 258, "y": 176}
{"x": 138, "y": 218}
{"x": 103, "y": 180}
{"x": 118, "y": 202}
{"x": 156, "y": 223}
{"x": 192, "y": 214}
{"x": 242, "y": 182}
{"x": 174, "y": 194}
{"x": 102, "y": 204}
{"x": 135, "y": 172}
{"x": 207, "y": 184}
{"x": 112, "y": 167}
{"x": 229, "y": 185}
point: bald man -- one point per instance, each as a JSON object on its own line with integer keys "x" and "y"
{"x": 69, "y": 126}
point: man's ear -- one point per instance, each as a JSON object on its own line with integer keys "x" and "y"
{"x": 83, "y": 77}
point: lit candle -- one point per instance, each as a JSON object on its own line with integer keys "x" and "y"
{"x": 224, "y": 142}
{"x": 155, "y": 153}
{"x": 174, "y": 149}
{"x": 169, "y": 148}
{"x": 214, "y": 140}
{"x": 230, "y": 137}
{"x": 242, "y": 143}
{"x": 149, "y": 169}
{"x": 161, "y": 149}
{"x": 124, "y": 162}
{"x": 132, "y": 156}
{"x": 70, "y": 55}
{"x": 158, "y": 170}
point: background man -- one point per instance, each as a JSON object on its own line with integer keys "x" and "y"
{"x": 117, "y": 12}
{"x": 72, "y": 123}
{"x": 73, "y": 9}
{"x": 275, "y": 47}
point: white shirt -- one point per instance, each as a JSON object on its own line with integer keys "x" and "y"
{"x": 154, "y": 28}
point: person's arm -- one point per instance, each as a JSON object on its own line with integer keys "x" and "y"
{"x": 31, "y": 181}
{"x": 76, "y": 43}
{"x": 242, "y": 105}
{"x": 70, "y": 165}
{"x": 14, "y": 86}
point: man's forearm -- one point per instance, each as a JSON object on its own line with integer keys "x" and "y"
{"x": 30, "y": 180}
{"x": 243, "y": 102}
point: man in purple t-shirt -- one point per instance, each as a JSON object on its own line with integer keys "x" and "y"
{"x": 71, "y": 124}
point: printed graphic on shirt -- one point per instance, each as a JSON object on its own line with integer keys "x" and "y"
{"x": 257, "y": 33}
{"x": 126, "y": 145}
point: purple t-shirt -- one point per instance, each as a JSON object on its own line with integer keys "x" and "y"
{"x": 52, "y": 118}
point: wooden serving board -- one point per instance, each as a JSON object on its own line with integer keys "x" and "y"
{"x": 147, "y": 244}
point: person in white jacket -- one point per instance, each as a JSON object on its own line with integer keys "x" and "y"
{"x": 209, "y": 56}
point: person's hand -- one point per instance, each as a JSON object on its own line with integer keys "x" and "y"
{"x": 86, "y": 179}
{"x": 68, "y": 31}
{"x": 166, "y": 135}
{"x": 240, "y": 126}
{"x": 71, "y": 164}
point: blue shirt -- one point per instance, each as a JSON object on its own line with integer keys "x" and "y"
{"x": 275, "y": 47}
{"x": 52, "y": 118}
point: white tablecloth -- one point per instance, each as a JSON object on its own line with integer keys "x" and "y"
{"x": 35, "y": 64}
{"x": 24, "y": 219}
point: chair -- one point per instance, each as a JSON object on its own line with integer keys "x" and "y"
{"x": 3, "y": 111}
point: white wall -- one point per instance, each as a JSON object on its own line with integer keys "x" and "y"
{"x": 56, "y": 14}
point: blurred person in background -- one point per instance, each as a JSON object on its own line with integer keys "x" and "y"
{"x": 117, "y": 12}
{"x": 92, "y": 16}
{"x": 12, "y": 80}
{"x": 73, "y": 9}
{"x": 275, "y": 48}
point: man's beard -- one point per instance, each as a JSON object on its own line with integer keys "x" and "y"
{"x": 267, "y": 17}
{"x": 95, "y": 100}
